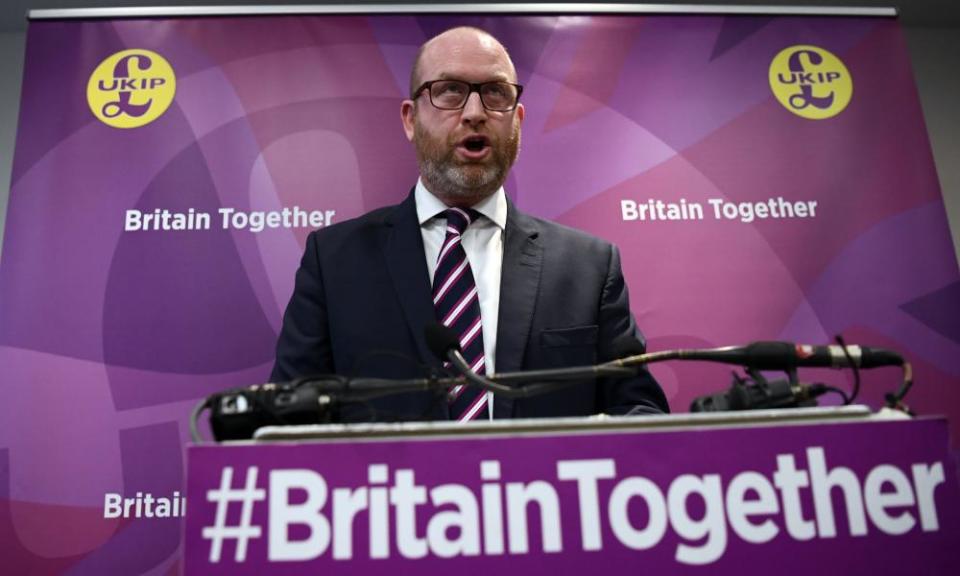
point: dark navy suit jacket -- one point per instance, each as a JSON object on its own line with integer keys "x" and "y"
{"x": 362, "y": 299}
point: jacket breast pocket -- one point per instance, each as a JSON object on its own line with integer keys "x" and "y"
{"x": 576, "y": 336}
{"x": 570, "y": 346}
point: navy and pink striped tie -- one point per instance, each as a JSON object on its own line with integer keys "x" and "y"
{"x": 458, "y": 307}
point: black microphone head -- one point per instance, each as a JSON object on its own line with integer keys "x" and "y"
{"x": 441, "y": 340}
{"x": 770, "y": 355}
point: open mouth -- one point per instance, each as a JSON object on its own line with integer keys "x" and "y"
{"x": 475, "y": 144}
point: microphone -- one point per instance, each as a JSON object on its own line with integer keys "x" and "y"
{"x": 445, "y": 345}
{"x": 787, "y": 355}
{"x": 763, "y": 394}
{"x": 442, "y": 341}
{"x": 236, "y": 414}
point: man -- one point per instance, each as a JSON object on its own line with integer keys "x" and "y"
{"x": 519, "y": 293}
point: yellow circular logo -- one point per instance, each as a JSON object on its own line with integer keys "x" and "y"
{"x": 810, "y": 82}
{"x": 131, "y": 88}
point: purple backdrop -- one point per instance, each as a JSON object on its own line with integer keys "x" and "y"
{"x": 108, "y": 336}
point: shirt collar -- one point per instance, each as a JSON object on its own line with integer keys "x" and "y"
{"x": 494, "y": 206}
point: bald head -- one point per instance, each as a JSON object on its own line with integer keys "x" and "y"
{"x": 449, "y": 46}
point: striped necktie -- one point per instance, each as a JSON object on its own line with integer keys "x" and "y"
{"x": 458, "y": 307}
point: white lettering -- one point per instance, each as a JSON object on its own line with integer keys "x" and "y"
{"x": 739, "y": 509}
{"x": 111, "y": 505}
{"x": 619, "y": 512}
{"x": 878, "y": 501}
{"x": 379, "y": 514}
{"x": 822, "y": 483}
{"x": 587, "y": 473}
{"x": 346, "y": 504}
{"x": 543, "y": 494}
{"x": 494, "y": 518}
{"x": 405, "y": 496}
{"x": 712, "y": 526}
{"x": 789, "y": 480}
{"x": 283, "y": 514}
{"x": 492, "y": 508}
{"x": 926, "y": 479}
{"x": 464, "y": 520}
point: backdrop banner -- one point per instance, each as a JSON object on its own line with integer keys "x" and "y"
{"x": 765, "y": 178}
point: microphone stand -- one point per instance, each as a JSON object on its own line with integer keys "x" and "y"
{"x": 236, "y": 412}
{"x": 545, "y": 379}
{"x": 312, "y": 399}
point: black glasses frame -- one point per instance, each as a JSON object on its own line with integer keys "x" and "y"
{"x": 474, "y": 87}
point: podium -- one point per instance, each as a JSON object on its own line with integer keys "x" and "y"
{"x": 819, "y": 490}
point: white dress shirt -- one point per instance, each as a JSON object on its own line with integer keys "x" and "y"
{"x": 483, "y": 243}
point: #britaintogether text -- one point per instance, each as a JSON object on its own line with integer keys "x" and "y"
{"x": 462, "y": 522}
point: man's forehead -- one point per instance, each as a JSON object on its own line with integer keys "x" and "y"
{"x": 466, "y": 55}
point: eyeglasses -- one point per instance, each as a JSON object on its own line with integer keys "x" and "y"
{"x": 453, "y": 94}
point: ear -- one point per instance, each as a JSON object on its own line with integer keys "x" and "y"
{"x": 407, "y": 116}
{"x": 521, "y": 111}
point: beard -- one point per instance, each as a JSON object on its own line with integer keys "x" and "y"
{"x": 463, "y": 182}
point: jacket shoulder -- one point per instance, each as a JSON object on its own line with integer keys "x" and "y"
{"x": 554, "y": 234}
{"x": 354, "y": 229}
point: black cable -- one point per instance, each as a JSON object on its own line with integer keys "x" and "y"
{"x": 323, "y": 378}
{"x": 195, "y": 418}
{"x": 853, "y": 366}
{"x": 838, "y": 391}
{"x": 895, "y": 400}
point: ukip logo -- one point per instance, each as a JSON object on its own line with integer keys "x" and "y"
{"x": 810, "y": 82}
{"x": 131, "y": 88}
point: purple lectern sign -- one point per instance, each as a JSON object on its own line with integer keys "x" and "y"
{"x": 878, "y": 497}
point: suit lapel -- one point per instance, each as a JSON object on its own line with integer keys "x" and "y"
{"x": 402, "y": 245}
{"x": 519, "y": 284}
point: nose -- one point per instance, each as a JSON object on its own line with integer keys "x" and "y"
{"x": 473, "y": 111}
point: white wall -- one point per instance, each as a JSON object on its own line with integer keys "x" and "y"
{"x": 11, "y": 70}
{"x": 935, "y": 53}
